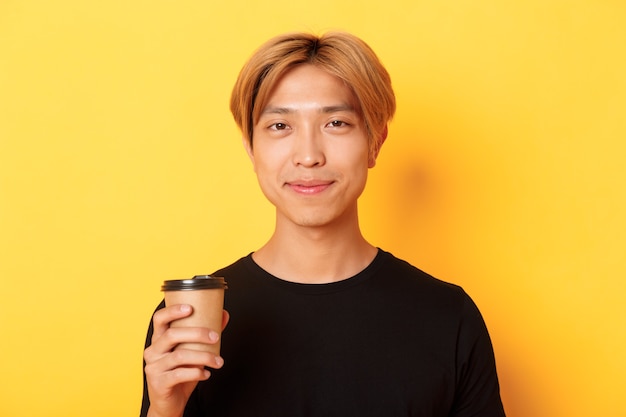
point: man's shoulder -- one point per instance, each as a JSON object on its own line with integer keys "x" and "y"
{"x": 402, "y": 272}
{"x": 235, "y": 267}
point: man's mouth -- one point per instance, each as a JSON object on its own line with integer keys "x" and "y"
{"x": 309, "y": 187}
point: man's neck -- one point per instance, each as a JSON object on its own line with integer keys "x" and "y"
{"x": 315, "y": 255}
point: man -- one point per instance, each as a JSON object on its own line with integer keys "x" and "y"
{"x": 320, "y": 321}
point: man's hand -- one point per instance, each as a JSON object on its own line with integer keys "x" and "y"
{"x": 172, "y": 374}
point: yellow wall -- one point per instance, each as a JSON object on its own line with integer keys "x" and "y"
{"x": 120, "y": 166}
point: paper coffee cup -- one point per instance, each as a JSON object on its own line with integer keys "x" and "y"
{"x": 206, "y": 295}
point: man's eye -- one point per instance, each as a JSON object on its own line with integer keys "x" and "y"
{"x": 337, "y": 123}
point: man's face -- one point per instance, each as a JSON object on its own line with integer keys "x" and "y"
{"x": 311, "y": 150}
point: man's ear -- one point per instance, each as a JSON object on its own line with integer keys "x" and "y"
{"x": 374, "y": 154}
{"x": 247, "y": 144}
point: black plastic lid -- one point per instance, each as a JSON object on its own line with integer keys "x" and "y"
{"x": 199, "y": 282}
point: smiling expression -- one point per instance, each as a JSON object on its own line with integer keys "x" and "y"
{"x": 310, "y": 149}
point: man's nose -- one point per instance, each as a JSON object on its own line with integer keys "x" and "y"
{"x": 308, "y": 148}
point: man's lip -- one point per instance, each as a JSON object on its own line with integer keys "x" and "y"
{"x": 309, "y": 186}
{"x": 309, "y": 183}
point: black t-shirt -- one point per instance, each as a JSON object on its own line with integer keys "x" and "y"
{"x": 390, "y": 341}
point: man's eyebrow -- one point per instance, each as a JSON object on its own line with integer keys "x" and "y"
{"x": 339, "y": 107}
{"x": 277, "y": 110}
{"x": 324, "y": 109}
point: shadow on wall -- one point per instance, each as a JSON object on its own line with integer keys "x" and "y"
{"x": 445, "y": 199}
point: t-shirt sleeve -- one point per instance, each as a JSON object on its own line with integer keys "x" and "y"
{"x": 145, "y": 402}
{"x": 478, "y": 390}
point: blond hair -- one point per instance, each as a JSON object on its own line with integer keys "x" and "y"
{"x": 341, "y": 54}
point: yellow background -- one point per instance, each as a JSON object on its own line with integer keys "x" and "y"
{"x": 120, "y": 167}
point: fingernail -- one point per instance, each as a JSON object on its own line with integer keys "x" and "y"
{"x": 219, "y": 361}
{"x": 185, "y": 308}
{"x": 213, "y": 336}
